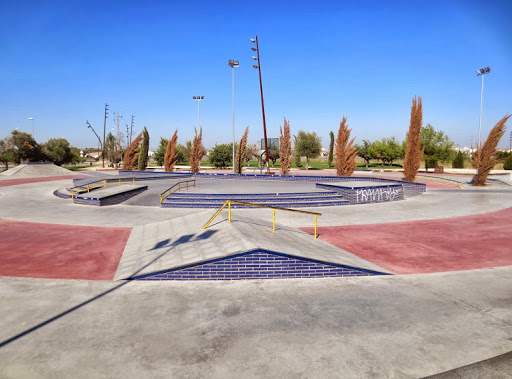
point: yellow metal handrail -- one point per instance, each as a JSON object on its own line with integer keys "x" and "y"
{"x": 441, "y": 180}
{"x": 229, "y": 202}
{"x": 179, "y": 188}
{"x": 104, "y": 184}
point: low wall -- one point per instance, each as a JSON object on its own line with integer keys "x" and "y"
{"x": 366, "y": 195}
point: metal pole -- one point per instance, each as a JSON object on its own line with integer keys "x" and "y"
{"x": 233, "y": 81}
{"x": 104, "y": 135}
{"x": 198, "y": 112}
{"x": 481, "y": 101}
{"x": 263, "y": 107}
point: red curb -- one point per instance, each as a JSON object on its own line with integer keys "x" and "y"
{"x": 15, "y": 182}
{"x": 41, "y": 250}
{"x": 451, "y": 244}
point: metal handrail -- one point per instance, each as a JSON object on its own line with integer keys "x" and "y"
{"x": 105, "y": 182}
{"x": 438, "y": 179}
{"x": 229, "y": 202}
{"x": 179, "y": 188}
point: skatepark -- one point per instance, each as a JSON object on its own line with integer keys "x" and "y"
{"x": 422, "y": 285}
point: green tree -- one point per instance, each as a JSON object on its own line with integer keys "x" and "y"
{"x": 393, "y": 150}
{"x": 507, "y": 164}
{"x": 438, "y": 146}
{"x": 273, "y": 156}
{"x": 58, "y": 151}
{"x": 365, "y": 151}
{"x": 308, "y": 145}
{"x": 387, "y": 150}
{"x": 221, "y": 156}
{"x": 181, "y": 151}
{"x": 160, "y": 152}
{"x": 458, "y": 162}
{"x": 331, "y": 149}
{"x": 251, "y": 152}
{"x": 6, "y": 154}
{"x": 144, "y": 150}
{"x": 24, "y": 147}
{"x": 113, "y": 149}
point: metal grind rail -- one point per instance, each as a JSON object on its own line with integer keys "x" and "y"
{"x": 104, "y": 183}
{"x": 170, "y": 190}
{"x": 438, "y": 179}
{"x": 229, "y": 202}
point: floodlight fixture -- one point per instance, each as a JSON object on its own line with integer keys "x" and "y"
{"x": 253, "y": 40}
{"x": 481, "y": 72}
{"x": 254, "y": 49}
{"x": 255, "y": 66}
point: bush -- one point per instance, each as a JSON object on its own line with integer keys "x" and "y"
{"x": 458, "y": 162}
{"x": 221, "y": 156}
{"x": 507, "y": 165}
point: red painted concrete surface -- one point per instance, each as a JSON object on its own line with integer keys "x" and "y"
{"x": 15, "y": 182}
{"x": 41, "y": 250}
{"x": 451, "y": 244}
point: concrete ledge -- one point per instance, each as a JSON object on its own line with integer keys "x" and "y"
{"x": 110, "y": 196}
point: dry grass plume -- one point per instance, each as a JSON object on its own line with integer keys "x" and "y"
{"x": 241, "y": 151}
{"x": 196, "y": 152}
{"x": 285, "y": 148}
{"x": 131, "y": 155}
{"x": 171, "y": 156}
{"x": 485, "y": 157}
{"x": 346, "y": 152}
{"x": 414, "y": 152}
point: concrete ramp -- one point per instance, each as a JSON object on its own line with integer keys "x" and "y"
{"x": 36, "y": 170}
{"x": 180, "y": 244}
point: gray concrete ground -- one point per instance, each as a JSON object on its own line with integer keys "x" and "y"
{"x": 392, "y": 326}
{"x": 380, "y": 327}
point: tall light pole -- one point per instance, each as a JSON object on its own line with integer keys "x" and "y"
{"x": 481, "y": 73}
{"x": 104, "y": 132}
{"x": 198, "y": 99}
{"x": 258, "y": 66}
{"x": 94, "y": 131}
{"x": 233, "y": 64}
{"x": 33, "y": 136}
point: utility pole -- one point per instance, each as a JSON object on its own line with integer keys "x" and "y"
{"x": 104, "y": 135}
{"x": 119, "y": 134}
{"x": 131, "y": 130}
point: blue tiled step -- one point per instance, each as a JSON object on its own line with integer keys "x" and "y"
{"x": 274, "y": 199}
{"x": 235, "y": 196}
{"x": 297, "y": 204}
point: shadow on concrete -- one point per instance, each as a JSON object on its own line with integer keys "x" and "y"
{"x": 179, "y": 241}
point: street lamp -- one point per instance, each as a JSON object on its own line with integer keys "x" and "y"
{"x": 33, "y": 136}
{"x": 198, "y": 98}
{"x": 94, "y": 131}
{"x": 232, "y": 63}
{"x": 258, "y": 66}
{"x": 481, "y": 73}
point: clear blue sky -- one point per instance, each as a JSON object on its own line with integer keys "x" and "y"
{"x": 61, "y": 61}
